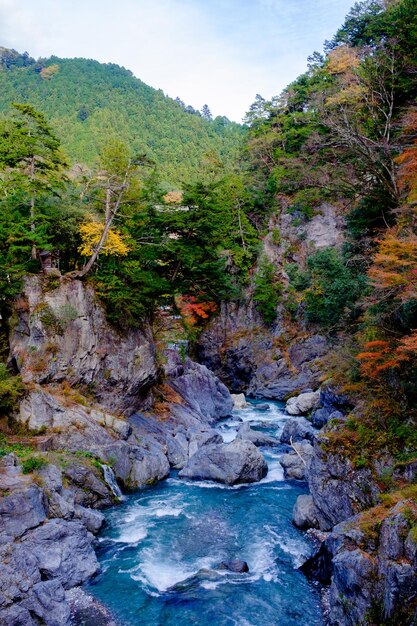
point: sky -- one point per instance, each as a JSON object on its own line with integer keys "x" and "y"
{"x": 216, "y": 52}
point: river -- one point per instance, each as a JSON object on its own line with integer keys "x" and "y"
{"x": 160, "y": 547}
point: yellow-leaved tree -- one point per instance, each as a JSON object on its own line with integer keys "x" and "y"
{"x": 113, "y": 182}
{"x": 91, "y": 233}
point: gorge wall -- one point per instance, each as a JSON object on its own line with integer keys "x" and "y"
{"x": 79, "y": 430}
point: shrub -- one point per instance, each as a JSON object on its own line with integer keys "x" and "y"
{"x": 11, "y": 389}
{"x": 333, "y": 287}
{"x": 267, "y": 293}
{"x": 33, "y": 463}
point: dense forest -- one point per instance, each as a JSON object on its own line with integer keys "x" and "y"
{"x": 87, "y": 102}
{"x": 344, "y": 133}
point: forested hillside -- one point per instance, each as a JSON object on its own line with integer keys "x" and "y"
{"x": 343, "y": 135}
{"x": 284, "y": 252}
{"x": 87, "y": 103}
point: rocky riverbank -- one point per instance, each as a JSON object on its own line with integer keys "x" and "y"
{"x": 98, "y": 413}
{"x": 103, "y": 411}
{"x": 367, "y": 554}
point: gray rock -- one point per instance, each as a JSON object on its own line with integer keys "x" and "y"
{"x": 177, "y": 450}
{"x": 304, "y": 514}
{"x": 233, "y": 463}
{"x": 246, "y": 433}
{"x": 89, "y": 490}
{"x": 19, "y": 571}
{"x": 234, "y": 565}
{"x": 198, "y": 439}
{"x": 16, "y": 616}
{"x": 239, "y": 401}
{"x": 325, "y": 229}
{"x": 60, "y": 505}
{"x": 63, "y": 550}
{"x": 294, "y": 466}
{"x": 47, "y": 603}
{"x": 136, "y": 466}
{"x": 320, "y": 417}
{"x": 303, "y": 403}
{"x": 392, "y": 535}
{"x": 339, "y": 490}
{"x": 51, "y": 477}
{"x": 349, "y": 593}
{"x": 21, "y": 510}
{"x": 92, "y": 520}
{"x": 297, "y": 430}
{"x": 88, "y": 350}
{"x": 199, "y": 388}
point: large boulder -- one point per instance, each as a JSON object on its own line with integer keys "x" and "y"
{"x": 247, "y": 433}
{"x": 239, "y": 401}
{"x": 304, "y": 514}
{"x": 198, "y": 388}
{"x": 63, "y": 550}
{"x": 234, "y": 463}
{"x": 297, "y": 430}
{"x": 135, "y": 466}
{"x": 296, "y": 463}
{"x": 299, "y": 405}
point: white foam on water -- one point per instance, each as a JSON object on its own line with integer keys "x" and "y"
{"x": 263, "y": 563}
{"x": 162, "y": 575}
{"x": 168, "y": 511}
{"x": 228, "y": 435}
{"x": 275, "y": 469}
{"x": 131, "y": 535}
{"x": 292, "y": 546}
{"x": 204, "y": 484}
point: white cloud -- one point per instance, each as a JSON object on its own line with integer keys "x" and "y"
{"x": 220, "y": 52}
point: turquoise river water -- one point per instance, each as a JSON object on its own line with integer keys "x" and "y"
{"x": 159, "y": 550}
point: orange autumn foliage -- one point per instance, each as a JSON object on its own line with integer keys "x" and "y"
{"x": 173, "y": 197}
{"x": 395, "y": 265}
{"x": 380, "y": 356}
{"x": 194, "y": 311}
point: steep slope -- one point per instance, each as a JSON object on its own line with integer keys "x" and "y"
{"x": 87, "y": 102}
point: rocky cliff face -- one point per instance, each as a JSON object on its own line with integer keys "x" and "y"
{"x": 85, "y": 384}
{"x": 60, "y": 332}
{"x": 273, "y": 362}
{"x": 248, "y": 357}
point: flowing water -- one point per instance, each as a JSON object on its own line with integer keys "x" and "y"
{"x": 159, "y": 549}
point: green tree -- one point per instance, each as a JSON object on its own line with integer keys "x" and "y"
{"x": 31, "y": 160}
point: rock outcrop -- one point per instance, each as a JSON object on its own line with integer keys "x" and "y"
{"x": 234, "y": 463}
{"x": 61, "y": 333}
{"x": 45, "y": 546}
{"x": 339, "y": 490}
{"x": 248, "y": 357}
{"x": 372, "y": 558}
